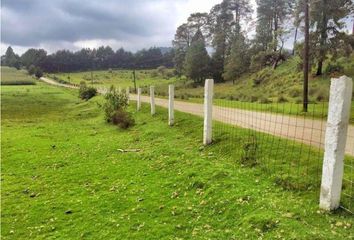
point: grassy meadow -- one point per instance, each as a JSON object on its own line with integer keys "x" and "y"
{"x": 278, "y": 91}
{"x": 12, "y": 76}
{"x": 118, "y": 78}
{"x": 63, "y": 177}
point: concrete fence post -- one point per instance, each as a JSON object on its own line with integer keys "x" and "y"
{"x": 152, "y": 99}
{"x": 335, "y": 141}
{"x": 171, "y": 96}
{"x": 208, "y": 111}
{"x": 138, "y": 102}
{"x": 127, "y": 92}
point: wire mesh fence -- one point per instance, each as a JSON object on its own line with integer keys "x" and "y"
{"x": 284, "y": 141}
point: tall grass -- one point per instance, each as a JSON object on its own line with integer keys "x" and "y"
{"x": 12, "y": 76}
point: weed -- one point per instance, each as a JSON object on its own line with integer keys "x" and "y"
{"x": 249, "y": 152}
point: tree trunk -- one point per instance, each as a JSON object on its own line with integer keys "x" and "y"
{"x": 319, "y": 68}
{"x": 323, "y": 39}
{"x": 306, "y": 56}
{"x": 295, "y": 38}
{"x": 275, "y": 31}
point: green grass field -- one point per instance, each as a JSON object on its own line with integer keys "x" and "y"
{"x": 12, "y": 76}
{"x": 63, "y": 177}
{"x": 118, "y": 78}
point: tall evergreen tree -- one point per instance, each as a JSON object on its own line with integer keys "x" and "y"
{"x": 11, "y": 59}
{"x": 271, "y": 29}
{"x": 197, "y": 60}
{"x": 327, "y": 21}
{"x": 184, "y": 35}
{"x": 239, "y": 60}
{"x": 225, "y": 24}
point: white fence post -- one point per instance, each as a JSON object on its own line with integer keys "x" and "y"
{"x": 138, "y": 102}
{"x": 171, "y": 96}
{"x": 127, "y": 91}
{"x": 335, "y": 141}
{"x": 119, "y": 89}
{"x": 208, "y": 111}
{"x": 152, "y": 99}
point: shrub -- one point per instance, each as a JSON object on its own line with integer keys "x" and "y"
{"x": 86, "y": 92}
{"x": 38, "y": 73}
{"x": 123, "y": 119}
{"x": 115, "y": 108}
{"x": 334, "y": 68}
{"x": 31, "y": 70}
{"x": 298, "y": 100}
{"x": 281, "y": 99}
{"x": 322, "y": 94}
{"x": 169, "y": 75}
{"x": 162, "y": 70}
{"x": 264, "y": 100}
{"x": 295, "y": 92}
{"x": 253, "y": 98}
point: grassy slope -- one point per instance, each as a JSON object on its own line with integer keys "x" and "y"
{"x": 285, "y": 81}
{"x": 122, "y": 78}
{"x": 59, "y": 155}
{"x": 12, "y": 76}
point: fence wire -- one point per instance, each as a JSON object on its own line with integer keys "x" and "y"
{"x": 284, "y": 141}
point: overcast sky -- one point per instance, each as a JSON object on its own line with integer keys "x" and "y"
{"x": 74, "y": 24}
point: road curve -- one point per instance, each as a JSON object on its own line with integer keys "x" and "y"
{"x": 301, "y": 129}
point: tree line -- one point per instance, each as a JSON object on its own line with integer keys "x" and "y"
{"x": 224, "y": 30}
{"x": 89, "y": 59}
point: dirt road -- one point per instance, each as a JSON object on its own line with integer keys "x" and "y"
{"x": 308, "y": 131}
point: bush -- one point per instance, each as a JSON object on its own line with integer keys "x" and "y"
{"x": 38, "y": 73}
{"x": 115, "y": 109}
{"x": 322, "y": 94}
{"x": 264, "y": 100}
{"x": 282, "y": 99}
{"x": 86, "y": 92}
{"x": 123, "y": 119}
{"x": 31, "y": 70}
{"x": 334, "y": 68}
{"x": 161, "y": 70}
{"x": 154, "y": 74}
{"x": 295, "y": 92}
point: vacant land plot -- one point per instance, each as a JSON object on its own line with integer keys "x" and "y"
{"x": 12, "y": 76}
{"x": 63, "y": 177}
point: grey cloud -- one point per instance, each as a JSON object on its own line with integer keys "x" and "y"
{"x": 30, "y": 23}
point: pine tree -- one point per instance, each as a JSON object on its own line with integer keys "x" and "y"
{"x": 197, "y": 60}
{"x": 238, "y": 62}
{"x": 225, "y": 23}
{"x": 327, "y": 21}
{"x": 11, "y": 59}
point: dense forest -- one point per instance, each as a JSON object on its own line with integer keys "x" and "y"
{"x": 89, "y": 59}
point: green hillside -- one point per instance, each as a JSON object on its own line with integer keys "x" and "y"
{"x": 268, "y": 85}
